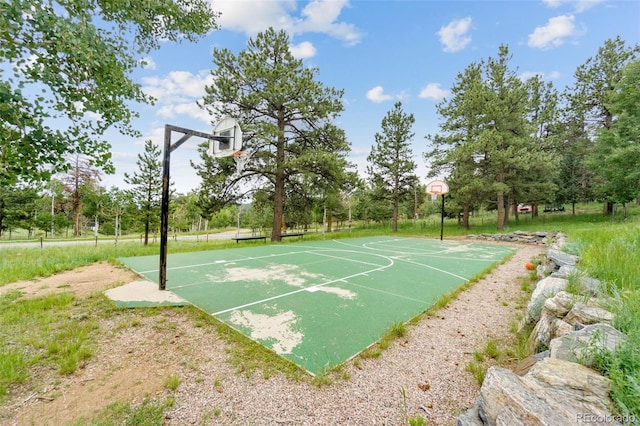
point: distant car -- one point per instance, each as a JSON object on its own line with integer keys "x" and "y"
{"x": 524, "y": 208}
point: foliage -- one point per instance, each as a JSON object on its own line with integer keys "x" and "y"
{"x": 147, "y": 413}
{"x": 390, "y": 166}
{"x": 588, "y": 110}
{"x": 146, "y": 186}
{"x": 80, "y": 180}
{"x": 493, "y": 139}
{"x": 17, "y": 208}
{"x": 69, "y": 66}
{"x": 286, "y": 117}
{"x": 616, "y": 154}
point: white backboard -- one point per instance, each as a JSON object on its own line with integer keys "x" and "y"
{"x": 227, "y": 127}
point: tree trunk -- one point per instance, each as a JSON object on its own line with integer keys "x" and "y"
{"x": 500, "y": 202}
{"x": 146, "y": 231}
{"x": 509, "y": 202}
{"x": 278, "y": 196}
{"x": 465, "y": 217}
{"x": 395, "y": 215}
{"x": 395, "y": 204}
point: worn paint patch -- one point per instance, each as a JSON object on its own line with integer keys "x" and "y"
{"x": 279, "y": 329}
{"x": 292, "y": 275}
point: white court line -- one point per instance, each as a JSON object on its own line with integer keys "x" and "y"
{"x": 217, "y": 262}
{"x": 355, "y": 261}
{"x": 367, "y": 246}
{"x": 378, "y": 267}
{"x": 268, "y": 299}
{"x": 434, "y": 268}
{"x": 387, "y": 292}
{"x": 409, "y": 261}
{"x": 431, "y": 254}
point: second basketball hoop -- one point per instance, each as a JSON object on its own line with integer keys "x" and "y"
{"x": 437, "y": 187}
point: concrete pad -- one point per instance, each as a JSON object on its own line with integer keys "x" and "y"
{"x": 143, "y": 293}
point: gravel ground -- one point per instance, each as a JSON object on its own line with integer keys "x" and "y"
{"x": 422, "y": 374}
{"x": 428, "y": 366}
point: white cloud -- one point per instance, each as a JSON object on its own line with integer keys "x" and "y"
{"x": 251, "y": 17}
{"x": 454, "y": 36}
{"x": 554, "y": 33}
{"x": 303, "y": 50}
{"x": 320, "y": 16}
{"x": 148, "y": 63}
{"x": 176, "y": 93}
{"x": 177, "y": 85}
{"x": 526, "y": 75}
{"x": 433, "y": 91}
{"x": 189, "y": 109}
{"x": 377, "y": 95}
{"x": 578, "y": 5}
{"x": 553, "y": 75}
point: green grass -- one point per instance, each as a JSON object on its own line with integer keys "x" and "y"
{"x": 60, "y": 332}
{"x": 610, "y": 253}
{"x": 148, "y": 413}
{"x": 52, "y": 331}
{"x": 172, "y": 382}
{"x": 477, "y": 370}
{"x": 23, "y": 264}
{"x": 395, "y": 331}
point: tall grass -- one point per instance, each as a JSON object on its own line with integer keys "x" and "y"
{"x": 610, "y": 253}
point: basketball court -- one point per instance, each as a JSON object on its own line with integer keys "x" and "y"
{"x": 320, "y": 303}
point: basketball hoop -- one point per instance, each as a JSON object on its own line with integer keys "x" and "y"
{"x": 226, "y": 139}
{"x": 241, "y": 158}
{"x": 437, "y": 187}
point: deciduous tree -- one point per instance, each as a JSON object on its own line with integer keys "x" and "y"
{"x": 67, "y": 75}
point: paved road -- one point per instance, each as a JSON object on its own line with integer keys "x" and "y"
{"x": 227, "y": 235}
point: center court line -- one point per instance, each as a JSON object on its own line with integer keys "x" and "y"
{"x": 268, "y": 299}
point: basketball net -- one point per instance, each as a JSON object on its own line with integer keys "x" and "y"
{"x": 241, "y": 158}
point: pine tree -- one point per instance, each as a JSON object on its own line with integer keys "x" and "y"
{"x": 286, "y": 117}
{"x": 146, "y": 189}
{"x": 391, "y": 168}
{"x": 587, "y": 112}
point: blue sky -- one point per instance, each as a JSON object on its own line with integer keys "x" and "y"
{"x": 379, "y": 52}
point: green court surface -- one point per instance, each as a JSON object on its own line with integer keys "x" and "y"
{"x": 320, "y": 303}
